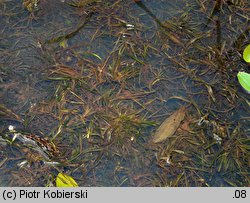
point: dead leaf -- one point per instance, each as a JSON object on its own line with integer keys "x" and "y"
{"x": 185, "y": 126}
{"x": 169, "y": 126}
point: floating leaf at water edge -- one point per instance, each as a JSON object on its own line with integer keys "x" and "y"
{"x": 63, "y": 180}
{"x": 244, "y": 80}
{"x": 246, "y": 54}
{"x": 169, "y": 126}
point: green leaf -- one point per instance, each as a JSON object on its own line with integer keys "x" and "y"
{"x": 63, "y": 44}
{"x": 246, "y": 54}
{"x": 63, "y": 180}
{"x": 244, "y": 80}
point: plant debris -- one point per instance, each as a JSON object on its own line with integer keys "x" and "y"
{"x": 169, "y": 125}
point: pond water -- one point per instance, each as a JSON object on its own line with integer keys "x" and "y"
{"x": 97, "y": 78}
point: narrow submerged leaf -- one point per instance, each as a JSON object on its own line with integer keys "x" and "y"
{"x": 95, "y": 55}
{"x": 8, "y": 113}
{"x": 169, "y": 126}
{"x": 63, "y": 180}
{"x": 246, "y": 54}
{"x": 244, "y": 80}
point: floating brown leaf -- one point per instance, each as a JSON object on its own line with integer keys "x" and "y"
{"x": 169, "y": 126}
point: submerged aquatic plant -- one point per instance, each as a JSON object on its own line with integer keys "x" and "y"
{"x": 108, "y": 69}
{"x": 232, "y": 159}
{"x": 124, "y": 126}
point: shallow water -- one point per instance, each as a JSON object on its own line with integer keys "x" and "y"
{"x": 128, "y": 61}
